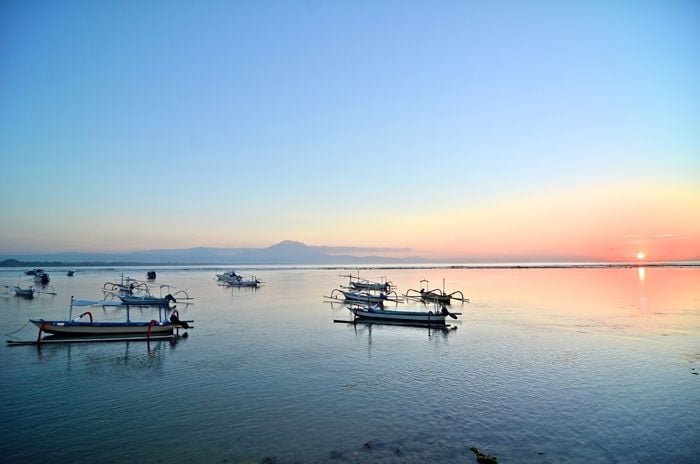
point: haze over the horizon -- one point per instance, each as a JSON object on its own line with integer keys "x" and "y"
{"x": 443, "y": 129}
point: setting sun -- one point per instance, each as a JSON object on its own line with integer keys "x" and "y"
{"x": 641, "y": 255}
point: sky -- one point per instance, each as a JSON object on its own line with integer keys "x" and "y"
{"x": 533, "y": 131}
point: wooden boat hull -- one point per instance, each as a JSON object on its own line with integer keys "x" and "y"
{"x": 75, "y": 328}
{"x": 413, "y": 317}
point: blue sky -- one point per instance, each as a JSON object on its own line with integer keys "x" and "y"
{"x": 131, "y": 125}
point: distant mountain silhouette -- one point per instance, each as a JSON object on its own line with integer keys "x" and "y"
{"x": 285, "y": 252}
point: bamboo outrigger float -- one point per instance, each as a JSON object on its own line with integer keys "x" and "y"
{"x": 436, "y": 295}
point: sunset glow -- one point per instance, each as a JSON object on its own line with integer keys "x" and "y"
{"x": 395, "y": 125}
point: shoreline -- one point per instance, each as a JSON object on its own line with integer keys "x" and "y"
{"x": 21, "y": 266}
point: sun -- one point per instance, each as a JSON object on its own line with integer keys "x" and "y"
{"x": 641, "y": 255}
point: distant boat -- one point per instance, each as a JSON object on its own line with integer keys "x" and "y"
{"x": 32, "y": 272}
{"x": 71, "y": 273}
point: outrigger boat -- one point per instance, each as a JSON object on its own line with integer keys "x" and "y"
{"x": 436, "y": 295}
{"x": 378, "y": 313}
{"x": 78, "y": 327}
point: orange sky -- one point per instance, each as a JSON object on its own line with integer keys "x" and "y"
{"x": 609, "y": 224}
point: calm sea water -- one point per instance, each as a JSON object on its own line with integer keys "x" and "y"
{"x": 545, "y": 366}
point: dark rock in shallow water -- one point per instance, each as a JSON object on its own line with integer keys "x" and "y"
{"x": 397, "y": 451}
{"x": 336, "y": 454}
{"x": 482, "y": 458}
{"x": 367, "y": 446}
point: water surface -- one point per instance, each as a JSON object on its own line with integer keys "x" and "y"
{"x": 545, "y": 365}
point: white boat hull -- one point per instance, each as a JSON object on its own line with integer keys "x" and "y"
{"x": 370, "y": 286}
{"x": 362, "y": 297}
{"x": 143, "y": 301}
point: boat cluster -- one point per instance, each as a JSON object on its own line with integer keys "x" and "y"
{"x": 124, "y": 292}
{"x": 39, "y": 277}
{"x": 368, "y": 300}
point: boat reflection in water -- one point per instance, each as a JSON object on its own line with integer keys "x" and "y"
{"x": 126, "y": 359}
